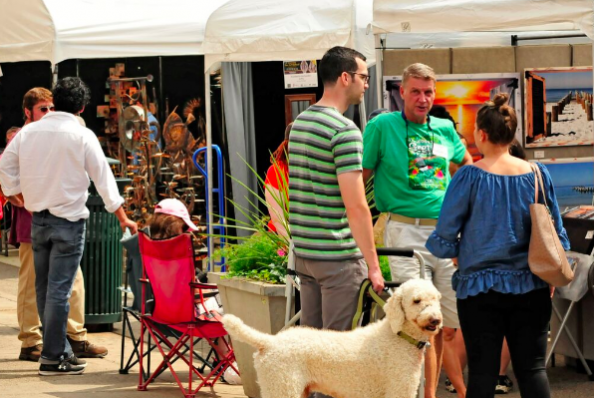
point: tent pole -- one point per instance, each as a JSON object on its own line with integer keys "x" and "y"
{"x": 55, "y": 76}
{"x": 207, "y": 106}
{"x": 161, "y": 108}
{"x": 379, "y": 70}
{"x": 363, "y": 115}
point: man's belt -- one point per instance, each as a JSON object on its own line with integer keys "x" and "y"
{"x": 413, "y": 221}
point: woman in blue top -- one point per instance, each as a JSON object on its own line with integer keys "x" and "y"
{"x": 485, "y": 223}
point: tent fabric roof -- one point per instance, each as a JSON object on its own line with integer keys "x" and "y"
{"x": 257, "y": 30}
{"x": 477, "y": 39}
{"x": 55, "y": 30}
{"x": 268, "y": 30}
{"x": 431, "y": 16}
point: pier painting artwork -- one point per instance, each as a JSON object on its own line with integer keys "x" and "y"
{"x": 462, "y": 96}
{"x": 573, "y": 180}
{"x": 558, "y": 107}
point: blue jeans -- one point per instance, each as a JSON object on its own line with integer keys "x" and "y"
{"x": 57, "y": 251}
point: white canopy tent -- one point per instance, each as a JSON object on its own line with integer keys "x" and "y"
{"x": 458, "y": 17}
{"x": 427, "y": 16}
{"x": 478, "y": 39}
{"x": 56, "y": 30}
{"x": 273, "y": 30}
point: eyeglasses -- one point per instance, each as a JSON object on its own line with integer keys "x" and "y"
{"x": 45, "y": 109}
{"x": 363, "y": 75}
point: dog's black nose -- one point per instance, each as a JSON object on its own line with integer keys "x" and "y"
{"x": 435, "y": 321}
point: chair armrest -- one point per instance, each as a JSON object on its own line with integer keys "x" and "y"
{"x": 200, "y": 285}
{"x": 206, "y": 295}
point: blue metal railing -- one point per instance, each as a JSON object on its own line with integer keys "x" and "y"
{"x": 219, "y": 228}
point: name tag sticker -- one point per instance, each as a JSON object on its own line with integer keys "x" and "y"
{"x": 440, "y": 150}
{"x": 590, "y": 235}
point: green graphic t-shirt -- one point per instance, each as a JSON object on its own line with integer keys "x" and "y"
{"x": 426, "y": 171}
{"x": 410, "y": 163}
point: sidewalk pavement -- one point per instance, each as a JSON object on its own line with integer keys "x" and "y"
{"x": 102, "y": 380}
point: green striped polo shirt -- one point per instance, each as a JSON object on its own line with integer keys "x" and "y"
{"x": 322, "y": 144}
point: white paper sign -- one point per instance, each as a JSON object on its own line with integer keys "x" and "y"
{"x": 440, "y": 150}
{"x": 300, "y": 74}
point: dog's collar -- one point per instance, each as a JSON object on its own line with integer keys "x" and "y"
{"x": 419, "y": 344}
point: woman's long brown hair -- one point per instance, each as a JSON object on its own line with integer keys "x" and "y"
{"x": 280, "y": 155}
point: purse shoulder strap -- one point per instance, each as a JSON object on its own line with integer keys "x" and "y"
{"x": 538, "y": 183}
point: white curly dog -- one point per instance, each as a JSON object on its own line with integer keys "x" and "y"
{"x": 381, "y": 360}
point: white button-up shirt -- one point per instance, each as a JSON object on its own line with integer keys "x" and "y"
{"x": 50, "y": 162}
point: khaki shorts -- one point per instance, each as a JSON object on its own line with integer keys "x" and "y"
{"x": 437, "y": 270}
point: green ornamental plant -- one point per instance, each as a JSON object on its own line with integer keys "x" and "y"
{"x": 258, "y": 258}
{"x": 263, "y": 256}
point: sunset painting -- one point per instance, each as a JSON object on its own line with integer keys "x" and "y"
{"x": 462, "y": 96}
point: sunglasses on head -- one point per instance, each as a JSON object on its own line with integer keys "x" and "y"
{"x": 45, "y": 109}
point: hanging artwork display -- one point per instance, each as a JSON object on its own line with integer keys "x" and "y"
{"x": 462, "y": 96}
{"x": 300, "y": 74}
{"x": 573, "y": 179}
{"x": 558, "y": 107}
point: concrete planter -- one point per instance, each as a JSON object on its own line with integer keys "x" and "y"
{"x": 261, "y": 306}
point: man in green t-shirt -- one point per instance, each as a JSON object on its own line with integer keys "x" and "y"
{"x": 329, "y": 219}
{"x": 409, "y": 153}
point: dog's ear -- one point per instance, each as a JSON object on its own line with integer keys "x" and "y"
{"x": 394, "y": 311}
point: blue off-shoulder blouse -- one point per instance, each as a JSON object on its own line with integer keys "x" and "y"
{"x": 485, "y": 223}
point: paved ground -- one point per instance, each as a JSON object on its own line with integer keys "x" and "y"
{"x": 101, "y": 379}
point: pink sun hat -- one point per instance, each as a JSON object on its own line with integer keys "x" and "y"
{"x": 174, "y": 207}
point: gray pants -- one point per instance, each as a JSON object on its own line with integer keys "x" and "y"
{"x": 329, "y": 293}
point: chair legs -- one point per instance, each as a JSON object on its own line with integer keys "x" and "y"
{"x": 171, "y": 352}
{"x": 133, "y": 358}
{"x": 135, "y": 355}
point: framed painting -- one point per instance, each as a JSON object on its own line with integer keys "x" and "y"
{"x": 573, "y": 180}
{"x": 558, "y": 107}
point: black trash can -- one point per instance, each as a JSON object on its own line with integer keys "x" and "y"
{"x": 102, "y": 261}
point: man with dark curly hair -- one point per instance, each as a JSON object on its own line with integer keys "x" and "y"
{"x": 48, "y": 165}
{"x": 38, "y": 102}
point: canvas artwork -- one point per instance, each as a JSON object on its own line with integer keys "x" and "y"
{"x": 573, "y": 180}
{"x": 462, "y": 96}
{"x": 558, "y": 107}
{"x": 103, "y": 111}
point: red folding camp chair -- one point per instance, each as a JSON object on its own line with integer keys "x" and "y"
{"x": 168, "y": 265}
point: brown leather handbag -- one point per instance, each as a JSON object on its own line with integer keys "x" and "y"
{"x": 546, "y": 256}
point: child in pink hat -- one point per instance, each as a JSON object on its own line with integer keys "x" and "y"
{"x": 171, "y": 218}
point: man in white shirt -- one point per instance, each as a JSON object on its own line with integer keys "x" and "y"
{"x": 49, "y": 162}
{"x": 37, "y": 102}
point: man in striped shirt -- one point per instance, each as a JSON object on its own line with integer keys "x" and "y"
{"x": 329, "y": 218}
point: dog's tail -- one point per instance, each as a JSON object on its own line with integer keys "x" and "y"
{"x": 242, "y": 332}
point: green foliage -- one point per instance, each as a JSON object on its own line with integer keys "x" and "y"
{"x": 258, "y": 257}
{"x": 385, "y": 267}
{"x": 263, "y": 255}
